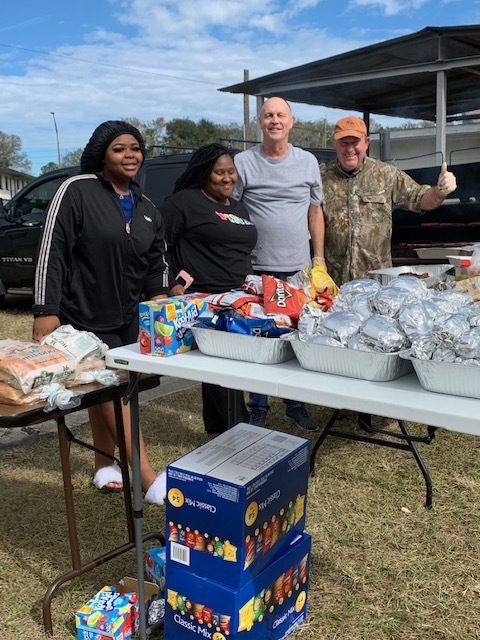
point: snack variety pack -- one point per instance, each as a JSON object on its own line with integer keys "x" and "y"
{"x": 270, "y": 606}
{"x": 163, "y": 324}
{"x": 109, "y": 614}
{"x": 235, "y": 502}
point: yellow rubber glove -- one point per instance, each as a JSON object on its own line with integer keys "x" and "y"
{"x": 321, "y": 280}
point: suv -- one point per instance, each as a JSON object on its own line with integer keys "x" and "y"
{"x": 22, "y": 217}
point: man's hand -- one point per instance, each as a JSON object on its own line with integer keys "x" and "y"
{"x": 43, "y": 325}
{"x": 446, "y": 181}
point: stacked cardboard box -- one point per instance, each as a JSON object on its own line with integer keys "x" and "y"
{"x": 237, "y": 557}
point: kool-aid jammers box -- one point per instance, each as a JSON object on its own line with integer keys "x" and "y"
{"x": 164, "y": 324}
{"x": 270, "y": 606}
{"x": 235, "y": 502}
{"x": 109, "y": 614}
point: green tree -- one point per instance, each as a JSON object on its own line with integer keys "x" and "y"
{"x": 50, "y": 166}
{"x": 72, "y": 158}
{"x": 152, "y": 132}
{"x": 186, "y": 134}
{"x": 11, "y": 154}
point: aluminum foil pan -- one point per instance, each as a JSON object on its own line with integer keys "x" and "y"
{"x": 236, "y": 346}
{"x": 453, "y": 378}
{"x": 366, "y": 365}
{"x": 436, "y": 273}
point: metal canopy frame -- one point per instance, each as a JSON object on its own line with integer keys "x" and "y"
{"x": 428, "y": 75}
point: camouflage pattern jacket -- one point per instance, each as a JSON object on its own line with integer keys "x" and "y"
{"x": 358, "y": 215}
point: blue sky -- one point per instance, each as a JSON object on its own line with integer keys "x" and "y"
{"x": 92, "y": 60}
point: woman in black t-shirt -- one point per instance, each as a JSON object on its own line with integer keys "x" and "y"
{"x": 210, "y": 236}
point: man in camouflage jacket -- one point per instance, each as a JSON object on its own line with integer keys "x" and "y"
{"x": 359, "y": 196}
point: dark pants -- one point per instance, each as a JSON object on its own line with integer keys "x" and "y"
{"x": 258, "y": 400}
{"x": 215, "y": 407}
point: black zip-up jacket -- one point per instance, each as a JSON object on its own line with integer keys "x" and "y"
{"x": 91, "y": 271}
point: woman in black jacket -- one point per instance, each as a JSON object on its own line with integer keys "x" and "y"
{"x": 102, "y": 248}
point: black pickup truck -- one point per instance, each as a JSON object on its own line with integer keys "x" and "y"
{"x": 21, "y": 219}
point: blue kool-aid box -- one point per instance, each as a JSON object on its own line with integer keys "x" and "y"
{"x": 235, "y": 502}
{"x": 109, "y": 614}
{"x": 164, "y": 324}
{"x": 270, "y": 606}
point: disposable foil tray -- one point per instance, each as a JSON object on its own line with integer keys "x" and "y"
{"x": 436, "y": 273}
{"x": 366, "y": 365}
{"x": 236, "y": 346}
{"x": 453, "y": 378}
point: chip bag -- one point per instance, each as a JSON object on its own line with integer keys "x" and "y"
{"x": 280, "y": 297}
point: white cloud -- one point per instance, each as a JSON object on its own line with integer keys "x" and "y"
{"x": 390, "y": 7}
{"x": 179, "y": 55}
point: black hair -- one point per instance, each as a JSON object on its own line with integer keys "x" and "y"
{"x": 200, "y": 166}
{"x": 94, "y": 153}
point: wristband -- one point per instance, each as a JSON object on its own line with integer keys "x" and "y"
{"x": 184, "y": 279}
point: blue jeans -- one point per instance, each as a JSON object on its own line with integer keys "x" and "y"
{"x": 258, "y": 400}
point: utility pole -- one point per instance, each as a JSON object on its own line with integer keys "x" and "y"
{"x": 56, "y": 136}
{"x": 246, "y": 112}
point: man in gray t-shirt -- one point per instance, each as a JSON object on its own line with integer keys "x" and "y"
{"x": 281, "y": 186}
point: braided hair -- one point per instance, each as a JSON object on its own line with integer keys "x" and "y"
{"x": 200, "y": 166}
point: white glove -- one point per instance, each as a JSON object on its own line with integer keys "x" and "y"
{"x": 446, "y": 181}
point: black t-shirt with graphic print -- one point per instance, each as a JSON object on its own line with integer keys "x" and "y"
{"x": 209, "y": 240}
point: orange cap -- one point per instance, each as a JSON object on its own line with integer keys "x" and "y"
{"x": 350, "y": 126}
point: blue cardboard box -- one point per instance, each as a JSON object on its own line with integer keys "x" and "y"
{"x": 155, "y": 559}
{"x": 270, "y": 606}
{"x": 164, "y": 329}
{"x": 109, "y": 614}
{"x": 233, "y": 503}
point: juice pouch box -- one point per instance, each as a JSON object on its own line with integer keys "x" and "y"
{"x": 235, "y": 502}
{"x": 163, "y": 324}
{"x": 271, "y": 605}
{"x": 109, "y": 614}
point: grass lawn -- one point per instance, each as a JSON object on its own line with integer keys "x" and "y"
{"x": 383, "y": 566}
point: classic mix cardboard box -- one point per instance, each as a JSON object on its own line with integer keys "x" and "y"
{"x": 233, "y": 503}
{"x": 164, "y": 324}
{"x": 270, "y": 606}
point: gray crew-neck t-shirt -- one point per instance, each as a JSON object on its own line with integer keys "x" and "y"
{"x": 277, "y": 194}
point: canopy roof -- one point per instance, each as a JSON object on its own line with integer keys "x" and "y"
{"x": 395, "y": 78}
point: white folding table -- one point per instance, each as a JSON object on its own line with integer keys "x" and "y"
{"x": 401, "y": 399}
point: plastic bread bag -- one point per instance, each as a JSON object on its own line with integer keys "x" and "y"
{"x": 444, "y": 354}
{"x": 58, "y": 397}
{"x": 106, "y": 377}
{"x": 417, "y": 318}
{"x": 474, "y": 268}
{"x": 75, "y": 343}
{"x": 389, "y": 301}
{"x": 423, "y": 347}
{"x": 384, "y": 334}
{"x": 357, "y": 343}
{"x": 468, "y": 344}
{"x": 450, "y": 330}
{"x": 29, "y": 365}
{"x": 339, "y": 325}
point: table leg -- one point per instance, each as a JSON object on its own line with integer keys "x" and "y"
{"x": 127, "y": 494}
{"x": 132, "y": 396}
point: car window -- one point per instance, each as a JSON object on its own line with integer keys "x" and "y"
{"x": 38, "y": 198}
{"x": 158, "y": 180}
